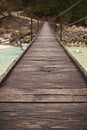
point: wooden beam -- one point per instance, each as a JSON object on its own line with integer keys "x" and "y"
{"x": 61, "y": 27}
{"x": 31, "y": 28}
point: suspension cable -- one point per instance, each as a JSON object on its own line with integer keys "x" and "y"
{"x": 77, "y": 21}
{"x": 68, "y": 9}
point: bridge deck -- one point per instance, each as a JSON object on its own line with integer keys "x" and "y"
{"x": 45, "y": 90}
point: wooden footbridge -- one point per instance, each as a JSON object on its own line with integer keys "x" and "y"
{"x": 45, "y": 90}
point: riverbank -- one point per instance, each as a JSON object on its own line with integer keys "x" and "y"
{"x": 80, "y": 53}
{"x": 5, "y": 47}
{"x": 7, "y": 55}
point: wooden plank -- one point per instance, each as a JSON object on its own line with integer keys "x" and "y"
{"x": 44, "y": 91}
{"x": 75, "y": 92}
{"x": 41, "y": 116}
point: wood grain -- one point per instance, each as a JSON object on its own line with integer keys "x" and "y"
{"x": 45, "y": 90}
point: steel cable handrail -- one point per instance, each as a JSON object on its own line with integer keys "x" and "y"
{"x": 67, "y": 9}
{"x": 77, "y": 21}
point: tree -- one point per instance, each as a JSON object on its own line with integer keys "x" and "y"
{"x": 54, "y": 7}
{"x": 80, "y": 11}
{"x": 3, "y": 6}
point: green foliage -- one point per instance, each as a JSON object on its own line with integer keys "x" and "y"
{"x": 79, "y": 11}
{"x": 45, "y": 8}
{"x": 3, "y": 6}
{"x": 49, "y": 8}
{"x": 42, "y": 7}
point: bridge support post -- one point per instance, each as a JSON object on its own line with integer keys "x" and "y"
{"x": 31, "y": 28}
{"x": 54, "y": 26}
{"x": 61, "y": 27}
{"x": 37, "y": 26}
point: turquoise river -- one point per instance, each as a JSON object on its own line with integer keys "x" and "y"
{"x": 80, "y": 53}
{"x": 7, "y": 56}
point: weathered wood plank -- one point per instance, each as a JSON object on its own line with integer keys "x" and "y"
{"x": 41, "y": 116}
{"x": 75, "y": 92}
{"x": 44, "y": 91}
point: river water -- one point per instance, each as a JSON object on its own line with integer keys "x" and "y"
{"x": 7, "y": 56}
{"x": 80, "y": 53}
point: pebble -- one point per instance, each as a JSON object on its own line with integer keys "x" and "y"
{"x": 75, "y": 36}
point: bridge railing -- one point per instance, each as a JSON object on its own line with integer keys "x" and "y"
{"x": 71, "y": 33}
{"x": 35, "y": 25}
{"x": 18, "y": 30}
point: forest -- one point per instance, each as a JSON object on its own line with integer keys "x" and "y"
{"x": 47, "y": 8}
